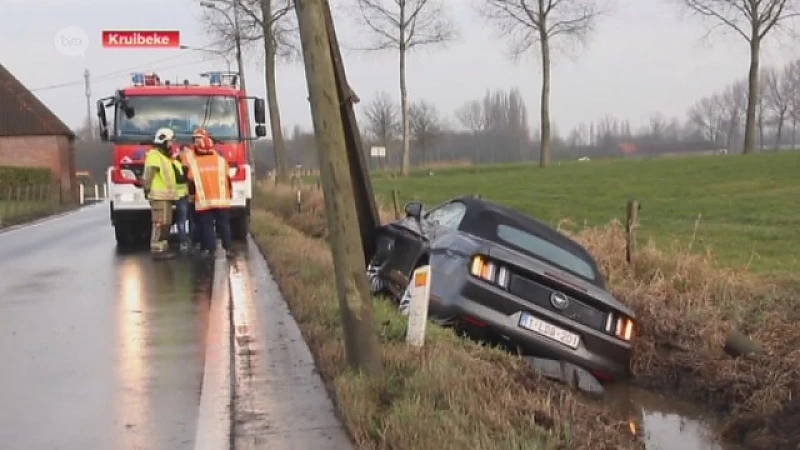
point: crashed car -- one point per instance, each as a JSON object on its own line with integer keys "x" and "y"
{"x": 496, "y": 272}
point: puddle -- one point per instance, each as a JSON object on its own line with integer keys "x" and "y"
{"x": 664, "y": 423}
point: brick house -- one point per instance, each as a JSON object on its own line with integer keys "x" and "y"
{"x": 33, "y": 136}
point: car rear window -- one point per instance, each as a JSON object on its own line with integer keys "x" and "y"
{"x": 546, "y": 250}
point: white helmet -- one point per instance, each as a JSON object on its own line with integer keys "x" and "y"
{"x": 164, "y": 135}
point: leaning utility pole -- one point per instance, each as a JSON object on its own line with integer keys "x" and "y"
{"x": 88, "y": 91}
{"x": 355, "y": 302}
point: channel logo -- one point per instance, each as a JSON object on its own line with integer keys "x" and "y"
{"x": 141, "y": 39}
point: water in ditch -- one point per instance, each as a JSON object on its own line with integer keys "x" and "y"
{"x": 663, "y": 422}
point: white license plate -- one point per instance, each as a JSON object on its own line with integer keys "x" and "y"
{"x": 549, "y": 330}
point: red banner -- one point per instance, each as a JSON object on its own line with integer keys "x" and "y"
{"x": 141, "y": 39}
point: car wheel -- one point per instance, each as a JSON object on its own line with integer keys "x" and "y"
{"x": 376, "y": 283}
{"x": 405, "y": 301}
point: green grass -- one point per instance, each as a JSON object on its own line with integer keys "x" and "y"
{"x": 750, "y": 205}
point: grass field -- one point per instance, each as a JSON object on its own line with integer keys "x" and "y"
{"x": 749, "y": 205}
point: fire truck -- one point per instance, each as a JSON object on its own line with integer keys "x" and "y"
{"x": 140, "y": 109}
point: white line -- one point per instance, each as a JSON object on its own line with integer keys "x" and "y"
{"x": 46, "y": 220}
{"x": 214, "y": 414}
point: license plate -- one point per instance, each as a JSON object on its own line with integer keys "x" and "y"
{"x": 549, "y": 330}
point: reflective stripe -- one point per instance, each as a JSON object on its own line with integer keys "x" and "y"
{"x": 222, "y": 178}
{"x": 199, "y": 193}
{"x": 167, "y": 175}
{"x": 202, "y": 201}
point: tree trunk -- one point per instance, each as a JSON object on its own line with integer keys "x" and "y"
{"x": 544, "y": 155}
{"x": 404, "y": 106}
{"x": 752, "y": 97}
{"x": 355, "y": 303}
{"x": 278, "y": 144}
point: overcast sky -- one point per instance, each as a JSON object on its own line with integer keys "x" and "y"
{"x": 644, "y": 57}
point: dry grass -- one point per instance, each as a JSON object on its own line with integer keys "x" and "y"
{"x": 685, "y": 305}
{"x": 451, "y": 394}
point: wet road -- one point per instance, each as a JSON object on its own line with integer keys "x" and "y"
{"x": 98, "y": 350}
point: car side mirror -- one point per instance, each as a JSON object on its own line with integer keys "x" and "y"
{"x": 261, "y": 130}
{"x": 414, "y": 209}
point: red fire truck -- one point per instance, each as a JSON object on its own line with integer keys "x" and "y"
{"x": 140, "y": 109}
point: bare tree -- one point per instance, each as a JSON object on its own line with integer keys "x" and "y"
{"x": 404, "y": 25}
{"x": 734, "y": 104}
{"x": 792, "y": 75}
{"x": 753, "y": 20}
{"x": 470, "y": 116}
{"x": 383, "y": 119}
{"x": 658, "y": 127}
{"x": 708, "y": 116}
{"x": 779, "y": 90}
{"x": 528, "y": 22}
{"x": 426, "y": 126}
{"x": 270, "y": 22}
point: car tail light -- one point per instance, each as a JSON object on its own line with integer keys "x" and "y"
{"x": 489, "y": 271}
{"x": 624, "y": 328}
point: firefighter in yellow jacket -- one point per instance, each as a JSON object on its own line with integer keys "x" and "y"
{"x": 160, "y": 183}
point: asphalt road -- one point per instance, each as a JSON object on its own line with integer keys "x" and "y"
{"x": 98, "y": 350}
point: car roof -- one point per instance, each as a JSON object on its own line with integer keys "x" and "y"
{"x": 474, "y": 222}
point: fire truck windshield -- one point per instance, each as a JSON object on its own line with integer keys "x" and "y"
{"x": 182, "y": 113}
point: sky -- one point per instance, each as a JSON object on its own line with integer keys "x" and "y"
{"x": 644, "y": 57}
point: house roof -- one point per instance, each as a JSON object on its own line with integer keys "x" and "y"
{"x": 23, "y": 114}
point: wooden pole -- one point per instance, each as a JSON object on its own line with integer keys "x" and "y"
{"x": 630, "y": 229}
{"x": 355, "y": 302}
{"x": 396, "y": 201}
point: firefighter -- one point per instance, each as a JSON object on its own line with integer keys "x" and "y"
{"x": 160, "y": 188}
{"x": 182, "y": 204}
{"x": 188, "y": 153}
{"x": 210, "y": 182}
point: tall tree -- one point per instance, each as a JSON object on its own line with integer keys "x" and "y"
{"x": 528, "y": 22}
{"x": 270, "y": 22}
{"x": 355, "y": 303}
{"x": 404, "y": 25}
{"x": 753, "y": 20}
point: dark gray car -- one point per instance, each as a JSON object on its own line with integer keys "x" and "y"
{"x": 496, "y": 272}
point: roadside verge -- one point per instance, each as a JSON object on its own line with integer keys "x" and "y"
{"x": 452, "y": 393}
{"x": 686, "y": 305}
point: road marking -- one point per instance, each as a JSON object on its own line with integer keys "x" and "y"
{"x": 214, "y": 414}
{"x": 46, "y": 220}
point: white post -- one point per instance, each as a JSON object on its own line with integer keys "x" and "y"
{"x": 82, "y": 192}
{"x": 96, "y": 192}
{"x": 105, "y": 190}
{"x": 420, "y": 287}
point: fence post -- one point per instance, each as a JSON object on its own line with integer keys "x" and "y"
{"x": 81, "y": 193}
{"x": 630, "y": 229}
{"x": 96, "y": 192}
{"x": 105, "y": 190}
{"x": 298, "y": 201}
{"x": 396, "y": 201}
